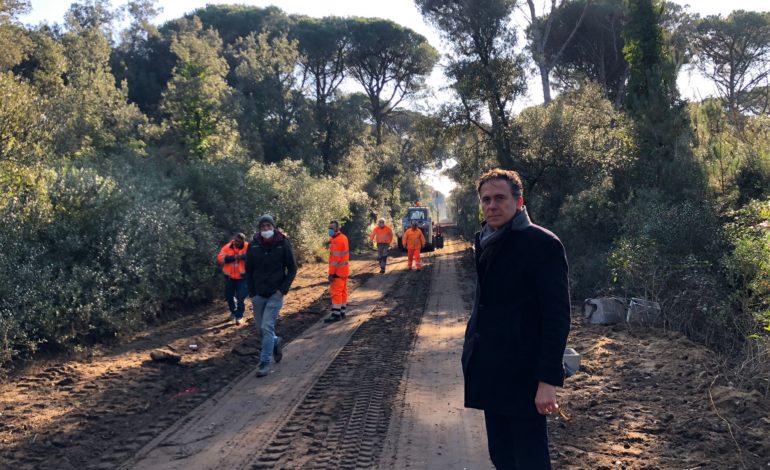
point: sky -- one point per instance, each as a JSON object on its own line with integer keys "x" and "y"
{"x": 404, "y": 12}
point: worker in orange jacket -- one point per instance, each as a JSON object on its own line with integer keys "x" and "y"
{"x": 232, "y": 258}
{"x": 413, "y": 240}
{"x": 339, "y": 270}
{"x": 383, "y": 236}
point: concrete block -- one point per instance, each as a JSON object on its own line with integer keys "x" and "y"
{"x": 605, "y": 310}
{"x": 643, "y": 312}
{"x": 571, "y": 361}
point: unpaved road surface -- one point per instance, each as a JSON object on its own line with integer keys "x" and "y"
{"x": 382, "y": 389}
{"x": 430, "y": 427}
{"x": 322, "y": 404}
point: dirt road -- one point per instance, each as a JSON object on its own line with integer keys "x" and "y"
{"x": 430, "y": 427}
{"x": 382, "y": 389}
{"x": 334, "y": 378}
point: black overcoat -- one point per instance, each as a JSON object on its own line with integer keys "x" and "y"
{"x": 518, "y": 328}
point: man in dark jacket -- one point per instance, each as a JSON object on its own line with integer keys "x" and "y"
{"x": 515, "y": 338}
{"x": 270, "y": 270}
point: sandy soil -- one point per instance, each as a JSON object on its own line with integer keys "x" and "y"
{"x": 648, "y": 399}
{"x": 380, "y": 390}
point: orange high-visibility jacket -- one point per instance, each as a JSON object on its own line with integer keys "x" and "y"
{"x": 235, "y": 269}
{"x": 413, "y": 238}
{"x": 339, "y": 255}
{"x": 382, "y": 235}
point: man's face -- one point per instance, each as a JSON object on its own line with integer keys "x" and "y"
{"x": 238, "y": 243}
{"x": 498, "y": 202}
{"x": 265, "y": 226}
{"x": 333, "y": 227}
{"x": 382, "y": 224}
{"x": 414, "y": 224}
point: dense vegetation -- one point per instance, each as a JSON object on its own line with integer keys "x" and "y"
{"x": 127, "y": 156}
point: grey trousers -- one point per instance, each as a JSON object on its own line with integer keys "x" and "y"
{"x": 382, "y": 254}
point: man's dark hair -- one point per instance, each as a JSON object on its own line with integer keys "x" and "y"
{"x": 239, "y": 236}
{"x": 336, "y": 224}
{"x": 513, "y": 179}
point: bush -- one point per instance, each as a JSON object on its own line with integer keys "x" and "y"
{"x": 302, "y": 205}
{"x": 753, "y": 179}
{"x": 747, "y": 266}
{"x": 586, "y": 224}
{"x": 97, "y": 259}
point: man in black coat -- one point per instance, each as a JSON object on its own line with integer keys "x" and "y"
{"x": 270, "y": 269}
{"x": 515, "y": 338}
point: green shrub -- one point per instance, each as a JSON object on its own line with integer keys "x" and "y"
{"x": 102, "y": 249}
{"x": 301, "y": 204}
{"x": 98, "y": 259}
{"x": 747, "y": 265}
{"x": 586, "y": 224}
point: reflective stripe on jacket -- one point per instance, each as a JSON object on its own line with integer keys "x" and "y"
{"x": 413, "y": 238}
{"x": 234, "y": 269}
{"x": 382, "y": 235}
{"x": 339, "y": 255}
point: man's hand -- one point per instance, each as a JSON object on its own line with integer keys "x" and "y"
{"x": 545, "y": 400}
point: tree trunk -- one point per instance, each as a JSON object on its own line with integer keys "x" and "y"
{"x": 378, "y": 129}
{"x": 540, "y": 32}
{"x": 545, "y": 79}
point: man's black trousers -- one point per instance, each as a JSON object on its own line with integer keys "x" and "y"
{"x": 517, "y": 444}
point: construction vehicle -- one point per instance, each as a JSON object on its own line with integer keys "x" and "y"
{"x": 424, "y": 223}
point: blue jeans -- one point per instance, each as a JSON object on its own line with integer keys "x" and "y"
{"x": 236, "y": 292}
{"x": 266, "y": 311}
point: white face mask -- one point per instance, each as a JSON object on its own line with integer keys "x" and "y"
{"x": 267, "y": 234}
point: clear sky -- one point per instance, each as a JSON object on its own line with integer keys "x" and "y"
{"x": 404, "y": 12}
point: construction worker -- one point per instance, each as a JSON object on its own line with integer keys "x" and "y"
{"x": 232, "y": 258}
{"x": 339, "y": 270}
{"x": 383, "y": 236}
{"x": 413, "y": 240}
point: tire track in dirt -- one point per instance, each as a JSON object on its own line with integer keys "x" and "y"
{"x": 232, "y": 428}
{"x": 344, "y": 418}
{"x": 430, "y": 427}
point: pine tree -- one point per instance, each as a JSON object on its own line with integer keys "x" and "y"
{"x": 662, "y": 126}
{"x": 198, "y": 102}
